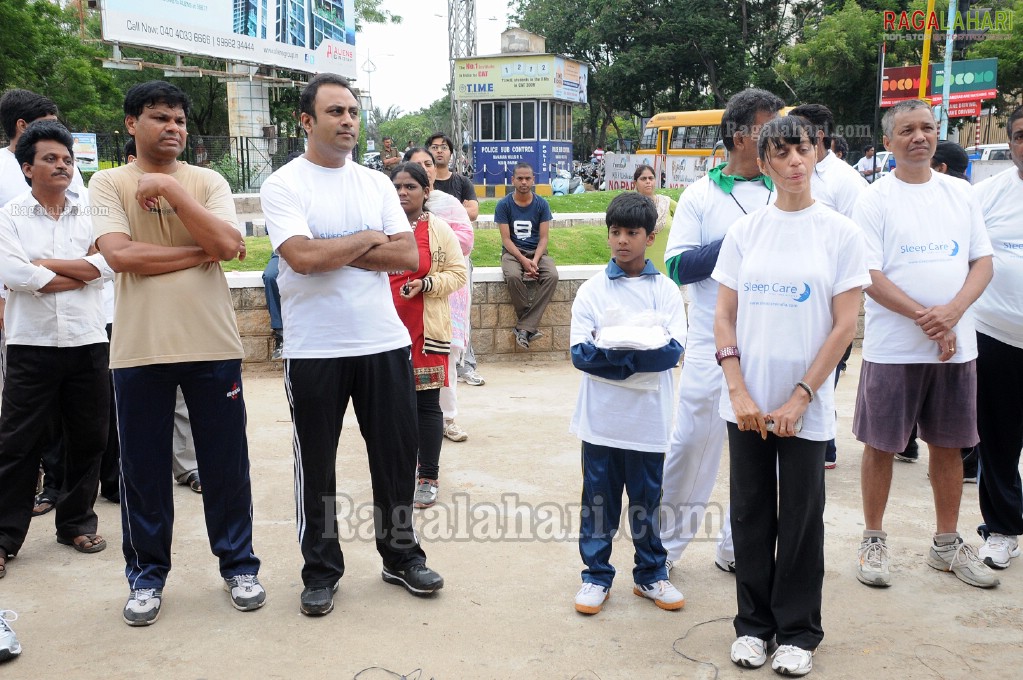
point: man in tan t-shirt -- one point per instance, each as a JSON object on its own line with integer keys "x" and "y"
{"x": 164, "y": 227}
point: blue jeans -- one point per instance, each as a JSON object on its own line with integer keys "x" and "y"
{"x": 607, "y": 472}
{"x": 273, "y": 293}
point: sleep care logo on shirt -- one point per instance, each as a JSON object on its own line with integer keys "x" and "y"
{"x": 930, "y": 251}
{"x": 1015, "y": 249}
{"x": 777, "y": 293}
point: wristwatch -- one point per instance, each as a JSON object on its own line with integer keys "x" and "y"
{"x": 725, "y": 352}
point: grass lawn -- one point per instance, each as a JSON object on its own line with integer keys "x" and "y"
{"x": 591, "y": 201}
{"x": 572, "y": 245}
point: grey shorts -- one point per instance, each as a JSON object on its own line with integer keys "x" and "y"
{"x": 940, "y": 399}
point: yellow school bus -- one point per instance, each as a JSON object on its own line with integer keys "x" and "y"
{"x": 686, "y": 133}
{"x": 683, "y": 133}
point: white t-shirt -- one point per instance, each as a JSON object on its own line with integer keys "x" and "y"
{"x": 703, "y": 215}
{"x": 348, "y": 311}
{"x": 836, "y": 184}
{"x": 787, "y": 267}
{"x": 12, "y": 179}
{"x": 865, "y": 164}
{"x": 923, "y": 238}
{"x": 608, "y": 414}
{"x": 999, "y": 311}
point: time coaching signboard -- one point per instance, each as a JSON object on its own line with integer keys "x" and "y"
{"x": 300, "y": 35}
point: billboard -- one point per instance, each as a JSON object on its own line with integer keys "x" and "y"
{"x": 972, "y": 80}
{"x": 299, "y": 35}
{"x": 521, "y": 76}
{"x": 86, "y": 151}
{"x": 495, "y": 161}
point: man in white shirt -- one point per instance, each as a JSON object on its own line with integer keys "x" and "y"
{"x": 57, "y": 343}
{"x": 836, "y": 185}
{"x": 18, "y": 109}
{"x": 339, "y": 229}
{"x": 929, "y": 259}
{"x": 867, "y": 166}
{"x": 705, "y": 212}
{"x": 999, "y": 313}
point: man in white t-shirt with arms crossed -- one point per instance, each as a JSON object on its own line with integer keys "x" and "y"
{"x": 339, "y": 229}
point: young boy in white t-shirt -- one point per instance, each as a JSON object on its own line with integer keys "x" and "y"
{"x": 628, "y": 328}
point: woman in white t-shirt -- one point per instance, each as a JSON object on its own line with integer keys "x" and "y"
{"x": 791, "y": 276}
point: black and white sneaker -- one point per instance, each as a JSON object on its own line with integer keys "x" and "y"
{"x": 246, "y": 592}
{"x": 418, "y": 579}
{"x": 318, "y": 601}
{"x": 143, "y": 606}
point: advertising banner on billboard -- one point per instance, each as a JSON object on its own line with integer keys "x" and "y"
{"x": 300, "y": 35}
{"x": 619, "y": 169}
{"x": 530, "y": 76}
{"x": 972, "y": 80}
{"x": 86, "y": 151}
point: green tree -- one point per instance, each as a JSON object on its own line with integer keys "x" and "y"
{"x": 371, "y": 12}
{"x": 40, "y": 50}
{"x": 1008, "y": 49}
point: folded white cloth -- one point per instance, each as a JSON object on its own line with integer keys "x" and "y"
{"x": 632, "y": 337}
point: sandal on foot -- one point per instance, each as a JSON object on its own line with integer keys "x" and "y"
{"x": 192, "y": 481}
{"x": 43, "y": 504}
{"x": 86, "y": 543}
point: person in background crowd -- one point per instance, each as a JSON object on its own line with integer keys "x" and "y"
{"x": 421, "y": 299}
{"x": 705, "y": 212}
{"x": 999, "y": 313}
{"x": 840, "y": 147}
{"x": 450, "y": 210}
{"x": 646, "y": 182}
{"x": 868, "y": 166}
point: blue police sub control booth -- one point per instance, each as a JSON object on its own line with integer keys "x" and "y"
{"x": 522, "y": 103}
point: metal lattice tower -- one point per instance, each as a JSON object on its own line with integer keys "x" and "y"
{"x": 461, "y": 43}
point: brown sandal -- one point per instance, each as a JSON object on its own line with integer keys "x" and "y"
{"x": 86, "y": 543}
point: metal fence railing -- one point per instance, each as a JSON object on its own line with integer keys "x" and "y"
{"x": 245, "y": 162}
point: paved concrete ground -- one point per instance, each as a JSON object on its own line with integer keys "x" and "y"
{"x": 506, "y": 610}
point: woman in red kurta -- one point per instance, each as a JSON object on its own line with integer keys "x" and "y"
{"x": 421, "y": 299}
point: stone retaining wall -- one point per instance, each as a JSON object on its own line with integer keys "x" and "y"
{"x": 493, "y": 318}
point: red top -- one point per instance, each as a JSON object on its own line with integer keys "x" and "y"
{"x": 429, "y": 369}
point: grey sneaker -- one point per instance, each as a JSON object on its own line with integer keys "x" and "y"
{"x": 426, "y": 493}
{"x": 522, "y": 338}
{"x": 278, "y": 351}
{"x": 963, "y": 561}
{"x": 9, "y": 645}
{"x": 246, "y": 592}
{"x": 143, "y": 606}
{"x": 471, "y": 377}
{"x": 875, "y": 563}
{"x": 453, "y": 432}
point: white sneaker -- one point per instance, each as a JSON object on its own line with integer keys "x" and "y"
{"x": 724, "y": 565}
{"x": 749, "y": 652}
{"x": 961, "y": 559}
{"x": 874, "y": 568}
{"x": 663, "y": 593}
{"x": 998, "y": 549}
{"x": 792, "y": 660}
{"x": 591, "y": 598}
{"x": 453, "y": 432}
{"x": 669, "y": 565}
{"x": 9, "y": 645}
{"x": 471, "y": 377}
{"x": 247, "y": 593}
